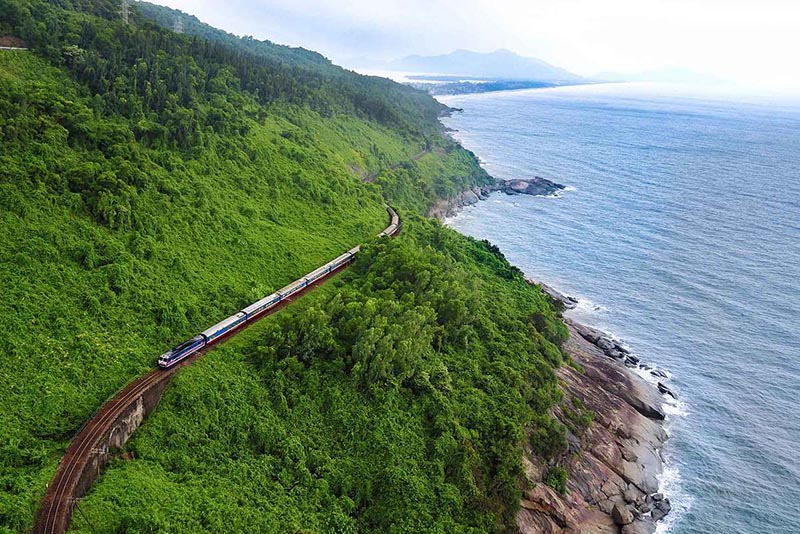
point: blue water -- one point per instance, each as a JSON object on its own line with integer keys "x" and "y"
{"x": 680, "y": 233}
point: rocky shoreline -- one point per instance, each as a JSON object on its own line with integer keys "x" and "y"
{"x": 536, "y": 186}
{"x": 615, "y": 461}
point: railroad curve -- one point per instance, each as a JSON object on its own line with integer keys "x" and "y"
{"x": 111, "y": 426}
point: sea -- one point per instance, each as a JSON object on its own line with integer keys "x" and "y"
{"x": 679, "y": 233}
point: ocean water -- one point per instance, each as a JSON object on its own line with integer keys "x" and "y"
{"x": 680, "y": 234}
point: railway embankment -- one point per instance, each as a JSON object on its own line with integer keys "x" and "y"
{"x": 118, "y": 419}
{"x": 91, "y": 448}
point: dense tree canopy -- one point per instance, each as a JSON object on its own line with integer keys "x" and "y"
{"x": 152, "y": 183}
{"x": 397, "y": 401}
{"x": 171, "y": 86}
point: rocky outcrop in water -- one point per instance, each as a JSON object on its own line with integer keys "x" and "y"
{"x": 614, "y": 462}
{"x": 536, "y": 186}
{"x": 568, "y": 301}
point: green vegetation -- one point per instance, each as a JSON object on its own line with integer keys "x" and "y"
{"x": 556, "y": 478}
{"x": 578, "y": 417}
{"x": 153, "y": 183}
{"x": 395, "y": 402}
{"x": 547, "y": 438}
{"x": 440, "y": 173}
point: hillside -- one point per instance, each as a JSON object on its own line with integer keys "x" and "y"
{"x": 152, "y": 183}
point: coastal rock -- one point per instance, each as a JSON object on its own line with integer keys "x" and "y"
{"x": 605, "y": 343}
{"x": 621, "y": 515}
{"x": 632, "y": 495}
{"x": 620, "y": 348}
{"x": 639, "y": 527}
{"x": 468, "y": 198}
{"x": 573, "y": 443}
{"x": 647, "y": 407}
{"x": 536, "y": 186}
{"x": 568, "y": 302}
{"x": 629, "y": 455}
{"x": 614, "y": 462}
{"x": 664, "y": 505}
{"x": 588, "y": 333}
{"x": 659, "y": 373}
{"x": 666, "y": 391}
{"x": 544, "y": 500}
{"x": 606, "y": 505}
{"x": 533, "y": 471}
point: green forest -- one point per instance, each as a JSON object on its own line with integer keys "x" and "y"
{"x": 152, "y": 183}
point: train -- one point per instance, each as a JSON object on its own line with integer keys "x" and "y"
{"x": 255, "y": 310}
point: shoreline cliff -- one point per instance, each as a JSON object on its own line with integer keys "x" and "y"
{"x": 614, "y": 458}
{"x": 614, "y": 462}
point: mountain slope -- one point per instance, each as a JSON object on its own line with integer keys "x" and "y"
{"x": 152, "y": 183}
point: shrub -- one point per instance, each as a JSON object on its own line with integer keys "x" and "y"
{"x": 556, "y": 478}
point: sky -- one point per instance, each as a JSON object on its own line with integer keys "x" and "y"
{"x": 753, "y": 42}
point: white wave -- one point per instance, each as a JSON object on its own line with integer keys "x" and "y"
{"x": 670, "y": 484}
{"x": 560, "y": 193}
{"x": 587, "y": 312}
{"x": 676, "y": 408}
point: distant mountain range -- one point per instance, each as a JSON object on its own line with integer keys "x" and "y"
{"x": 498, "y": 65}
{"x": 464, "y": 71}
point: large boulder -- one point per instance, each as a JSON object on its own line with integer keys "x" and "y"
{"x": 664, "y": 505}
{"x": 621, "y": 514}
{"x": 605, "y": 343}
{"x": 665, "y": 390}
{"x": 632, "y": 495}
{"x": 468, "y": 198}
{"x": 639, "y": 527}
{"x": 657, "y": 514}
{"x": 536, "y": 186}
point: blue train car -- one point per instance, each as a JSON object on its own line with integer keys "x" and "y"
{"x": 198, "y": 342}
{"x": 262, "y": 305}
{"x": 224, "y": 326}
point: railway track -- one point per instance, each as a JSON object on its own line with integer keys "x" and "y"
{"x": 119, "y": 417}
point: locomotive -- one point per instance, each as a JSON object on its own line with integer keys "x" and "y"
{"x": 211, "y": 335}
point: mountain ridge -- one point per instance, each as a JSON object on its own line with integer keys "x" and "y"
{"x": 500, "y": 64}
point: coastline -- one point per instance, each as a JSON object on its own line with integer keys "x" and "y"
{"x": 614, "y": 463}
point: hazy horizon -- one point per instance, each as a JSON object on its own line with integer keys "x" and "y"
{"x": 744, "y": 41}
